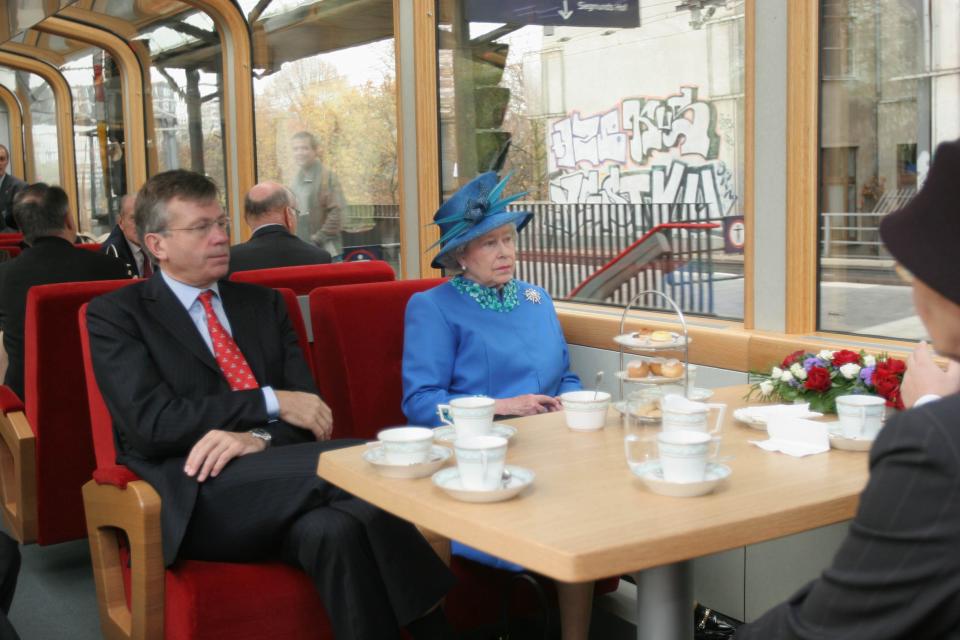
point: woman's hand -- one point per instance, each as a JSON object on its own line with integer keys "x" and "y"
{"x": 526, "y": 405}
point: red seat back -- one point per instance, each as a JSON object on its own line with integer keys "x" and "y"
{"x": 56, "y": 404}
{"x": 304, "y": 279}
{"x": 90, "y": 246}
{"x": 358, "y": 352}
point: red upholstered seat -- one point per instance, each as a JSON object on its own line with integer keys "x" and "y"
{"x": 57, "y": 413}
{"x": 90, "y": 246}
{"x": 306, "y": 278}
{"x": 358, "y": 350}
{"x": 192, "y": 599}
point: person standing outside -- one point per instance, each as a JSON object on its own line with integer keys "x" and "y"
{"x": 321, "y": 199}
{"x": 10, "y": 186}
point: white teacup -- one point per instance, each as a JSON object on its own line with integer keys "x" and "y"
{"x": 469, "y": 415}
{"x": 480, "y": 461}
{"x": 861, "y": 416}
{"x": 585, "y": 410}
{"x": 406, "y": 445}
{"x": 687, "y": 415}
{"x": 684, "y": 454}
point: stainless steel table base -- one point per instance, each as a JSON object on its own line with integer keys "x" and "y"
{"x": 665, "y": 602}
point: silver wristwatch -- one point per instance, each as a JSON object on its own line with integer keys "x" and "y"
{"x": 262, "y": 434}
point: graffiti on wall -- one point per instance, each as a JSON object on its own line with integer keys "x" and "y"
{"x": 646, "y": 150}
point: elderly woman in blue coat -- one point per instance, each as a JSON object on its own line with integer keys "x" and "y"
{"x": 483, "y": 332}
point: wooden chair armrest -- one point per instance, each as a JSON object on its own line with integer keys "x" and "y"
{"x": 136, "y": 511}
{"x": 439, "y": 543}
{"x": 18, "y": 461}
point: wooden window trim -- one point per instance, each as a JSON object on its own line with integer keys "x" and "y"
{"x": 715, "y": 343}
{"x": 64, "y": 105}
{"x": 237, "y": 106}
{"x": 131, "y": 78}
{"x": 15, "y": 123}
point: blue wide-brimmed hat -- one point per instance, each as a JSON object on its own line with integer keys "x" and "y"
{"x": 474, "y": 210}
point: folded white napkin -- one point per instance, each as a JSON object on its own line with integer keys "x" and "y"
{"x": 795, "y": 437}
{"x": 768, "y": 412}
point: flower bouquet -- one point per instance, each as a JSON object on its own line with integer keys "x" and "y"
{"x": 820, "y": 378}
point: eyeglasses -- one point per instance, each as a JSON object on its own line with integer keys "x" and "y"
{"x": 203, "y": 230}
{"x": 294, "y": 210}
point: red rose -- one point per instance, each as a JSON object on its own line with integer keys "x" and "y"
{"x": 793, "y": 357}
{"x": 818, "y": 379}
{"x": 845, "y": 356}
{"x": 891, "y": 366}
{"x": 886, "y": 385}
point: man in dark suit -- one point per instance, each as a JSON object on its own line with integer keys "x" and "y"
{"x": 270, "y": 210}
{"x": 122, "y": 243}
{"x": 897, "y": 574}
{"x": 214, "y": 405}
{"x": 50, "y": 229}
{"x": 10, "y": 186}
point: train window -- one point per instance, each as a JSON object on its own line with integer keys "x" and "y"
{"x": 325, "y": 110}
{"x": 98, "y": 137}
{"x": 39, "y": 125}
{"x": 185, "y": 107}
{"x": 889, "y": 89}
{"x": 616, "y": 118}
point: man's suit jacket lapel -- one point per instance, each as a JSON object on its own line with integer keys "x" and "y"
{"x": 245, "y": 327}
{"x": 166, "y": 309}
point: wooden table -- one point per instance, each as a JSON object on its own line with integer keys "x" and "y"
{"x": 586, "y": 517}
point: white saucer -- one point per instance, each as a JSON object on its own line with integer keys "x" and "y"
{"x": 743, "y": 416}
{"x": 438, "y": 456}
{"x": 447, "y": 434}
{"x": 650, "y": 379}
{"x": 652, "y": 475}
{"x": 635, "y": 342}
{"x": 850, "y": 444}
{"x": 449, "y": 481}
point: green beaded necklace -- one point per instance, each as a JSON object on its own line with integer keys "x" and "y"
{"x": 489, "y": 297}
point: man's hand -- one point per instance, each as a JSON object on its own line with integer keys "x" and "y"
{"x": 924, "y": 376}
{"x": 307, "y": 411}
{"x": 526, "y": 405}
{"x": 215, "y": 449}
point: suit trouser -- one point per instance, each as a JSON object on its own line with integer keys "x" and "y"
{"x": 9, "y": 570}
{"x": 374, "y": 572}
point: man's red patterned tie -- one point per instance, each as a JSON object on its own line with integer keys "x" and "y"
{"x": 225, "y": 350}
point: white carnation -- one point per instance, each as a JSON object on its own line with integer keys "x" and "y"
{"x": 869, "y": 361}
{"x": 776, "y": 372}
{"x": 798, "y": 371}
{"x": 766, "y": 388}
{"x": 850, "y": 370}
{"x": 786, "y": 376}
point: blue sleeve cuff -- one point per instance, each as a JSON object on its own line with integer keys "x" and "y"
{"x": 273, "y": 405}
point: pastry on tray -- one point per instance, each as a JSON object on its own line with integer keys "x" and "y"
{"x": 638, "y": 369}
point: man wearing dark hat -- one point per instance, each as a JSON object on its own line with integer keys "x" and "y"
{"x": 897, "y": 574}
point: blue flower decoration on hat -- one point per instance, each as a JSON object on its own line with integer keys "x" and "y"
{"x": 475, "y": 210}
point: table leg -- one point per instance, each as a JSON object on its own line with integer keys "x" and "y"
{"x": 665, "y": 602}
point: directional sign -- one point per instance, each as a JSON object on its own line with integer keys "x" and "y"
{"x": 734, "y": 234}
{"x": 574, "y": 13}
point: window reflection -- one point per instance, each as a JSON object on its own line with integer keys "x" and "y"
{"x": 889, "y": 93}
{"x": 614, "y": 121}
{"x": 185, "y": 119}
{"x": 325, "y": 108}
{"x": 94, "y": 81}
